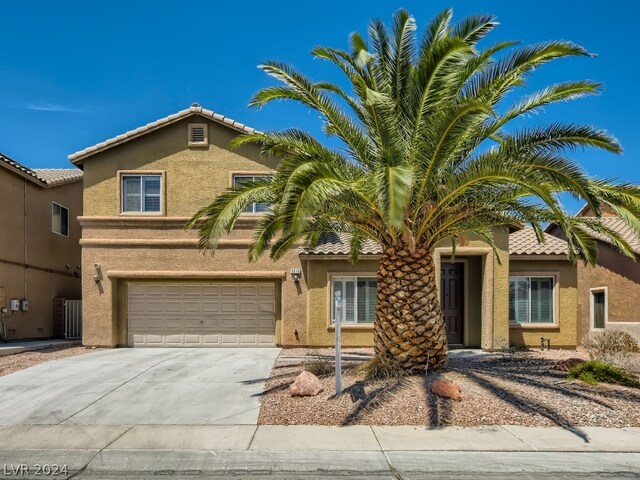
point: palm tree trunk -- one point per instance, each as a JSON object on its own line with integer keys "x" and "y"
{"x": 409, "y": 326}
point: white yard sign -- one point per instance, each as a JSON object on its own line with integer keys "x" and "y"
{"x": 338, "y": 325}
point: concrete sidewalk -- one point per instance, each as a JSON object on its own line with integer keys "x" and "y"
{"x": 506, "y": 438}
{"x": 380, "y": 452}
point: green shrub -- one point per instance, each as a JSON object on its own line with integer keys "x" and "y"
{"x": 319, "y": 366}
{"x": 376, "y": 369}
{"x": 594, "y": 372}
{"x": 605, "y": 344}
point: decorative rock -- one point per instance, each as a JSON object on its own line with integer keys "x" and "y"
{"x": 306, "y": 385}
{"x": 568, "y": 364}
{"x": 447, "y": 389}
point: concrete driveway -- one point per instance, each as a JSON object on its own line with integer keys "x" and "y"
{"x": 194, "y": 386}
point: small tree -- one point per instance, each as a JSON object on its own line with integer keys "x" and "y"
{"x": 428, "y": 153}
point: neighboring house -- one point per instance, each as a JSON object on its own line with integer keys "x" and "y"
{"x": 39, "y": 245}
{"x": 146, "y": 284}
{"x": 609, "y": 292}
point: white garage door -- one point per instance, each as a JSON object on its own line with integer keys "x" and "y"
{"x": 201, "y": 315}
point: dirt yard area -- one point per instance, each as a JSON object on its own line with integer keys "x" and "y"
{"x": 20, "y": 361}
{"x": 506, "y": 389}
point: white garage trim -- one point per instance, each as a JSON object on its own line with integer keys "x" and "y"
{"x": 257, "y": 275}
{"x": 201, "y": 314}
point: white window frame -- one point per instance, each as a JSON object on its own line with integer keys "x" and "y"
{"x": 604, "y": 290}
{"x": 133, "y": 173}
{"x": 253, "y": 177}
{"x": 205, "y": 141}
{"x": 53, "y": 226}
{"x": 554, "y": 298}
{"x": 332, "y": 301}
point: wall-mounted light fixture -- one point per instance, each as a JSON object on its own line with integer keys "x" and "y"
{"x": 98, "y": 275}
{"x": 296, "y": 274}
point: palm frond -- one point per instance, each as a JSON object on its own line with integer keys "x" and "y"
{"x": 431, "y": 147}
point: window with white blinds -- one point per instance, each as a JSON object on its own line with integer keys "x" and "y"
{"x": 239, "y": 180}
{"x": 531, "y": 299}
{"x": 354, "y": 299}
{"x": 141, "y": 193}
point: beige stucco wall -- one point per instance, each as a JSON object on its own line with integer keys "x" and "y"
{"x": 564, "y": 333}
{"x": 473, "y": 337}
{"x": 500, "y": 334}
{"x": 194, "y": 175}
{"x": 33, "y": 259}
{"x": 130, "y": 261}
{"x": 317, "y": 275}
{"x": 621, "y": 276}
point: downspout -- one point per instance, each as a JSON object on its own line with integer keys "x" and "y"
{"x": 26, "y": 242}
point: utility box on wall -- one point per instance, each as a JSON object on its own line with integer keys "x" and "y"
{"x": 14, "y": 305}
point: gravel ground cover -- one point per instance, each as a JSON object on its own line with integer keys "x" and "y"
{"x": 20, "y": 361}
{"x": 518, "y": 388}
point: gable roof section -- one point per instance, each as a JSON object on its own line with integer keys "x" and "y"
{"x": 621, "y": 228}
{"x": 612, "y": 221}
{"x": 525, "y": 242}
{"x": 195, "y": 109}
{"x": 45, "y": 177}
{"x": 338, "y": 244}
{"x": 20, "y": 169}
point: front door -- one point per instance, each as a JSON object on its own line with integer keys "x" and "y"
{"x": 451, "y": 300}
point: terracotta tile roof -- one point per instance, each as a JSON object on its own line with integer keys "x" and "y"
{"x": 338, "y": 244}
{"x": 521, "y": 242}
{"x": 58, "y": 176}
{"x": 44, "y": 176}
{"x": 195, "y": 109}
{"x": 525, "y": 242}
{"x": 621, "y": 228}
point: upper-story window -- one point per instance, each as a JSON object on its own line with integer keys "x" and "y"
{"x": 141, "y": 193}
{"x": 257, "y": 207}
{"x": 59, "y": 219}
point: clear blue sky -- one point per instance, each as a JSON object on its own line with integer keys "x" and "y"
{"x": 75, "y": 73}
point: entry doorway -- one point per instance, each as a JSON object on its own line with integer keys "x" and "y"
{"x": 452, "y": 300}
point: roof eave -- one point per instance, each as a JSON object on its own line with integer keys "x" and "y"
{"x": 23, "y": 174}
{"x": 80, "y": 156}
{"x": 338, "y": 256}
{"x": 538, "y": 256}
{"x": 66, "y": 181}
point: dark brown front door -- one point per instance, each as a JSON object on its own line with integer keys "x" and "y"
{"x": 451, "y": 300}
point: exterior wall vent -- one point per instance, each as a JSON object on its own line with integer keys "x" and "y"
{"x": 198, "y": 135}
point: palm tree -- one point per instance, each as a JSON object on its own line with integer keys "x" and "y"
{"x": 428, "y": 152}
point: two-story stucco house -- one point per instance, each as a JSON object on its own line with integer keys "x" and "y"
{"x": 145, "y": 283}
{"x": 39, "y": 246}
